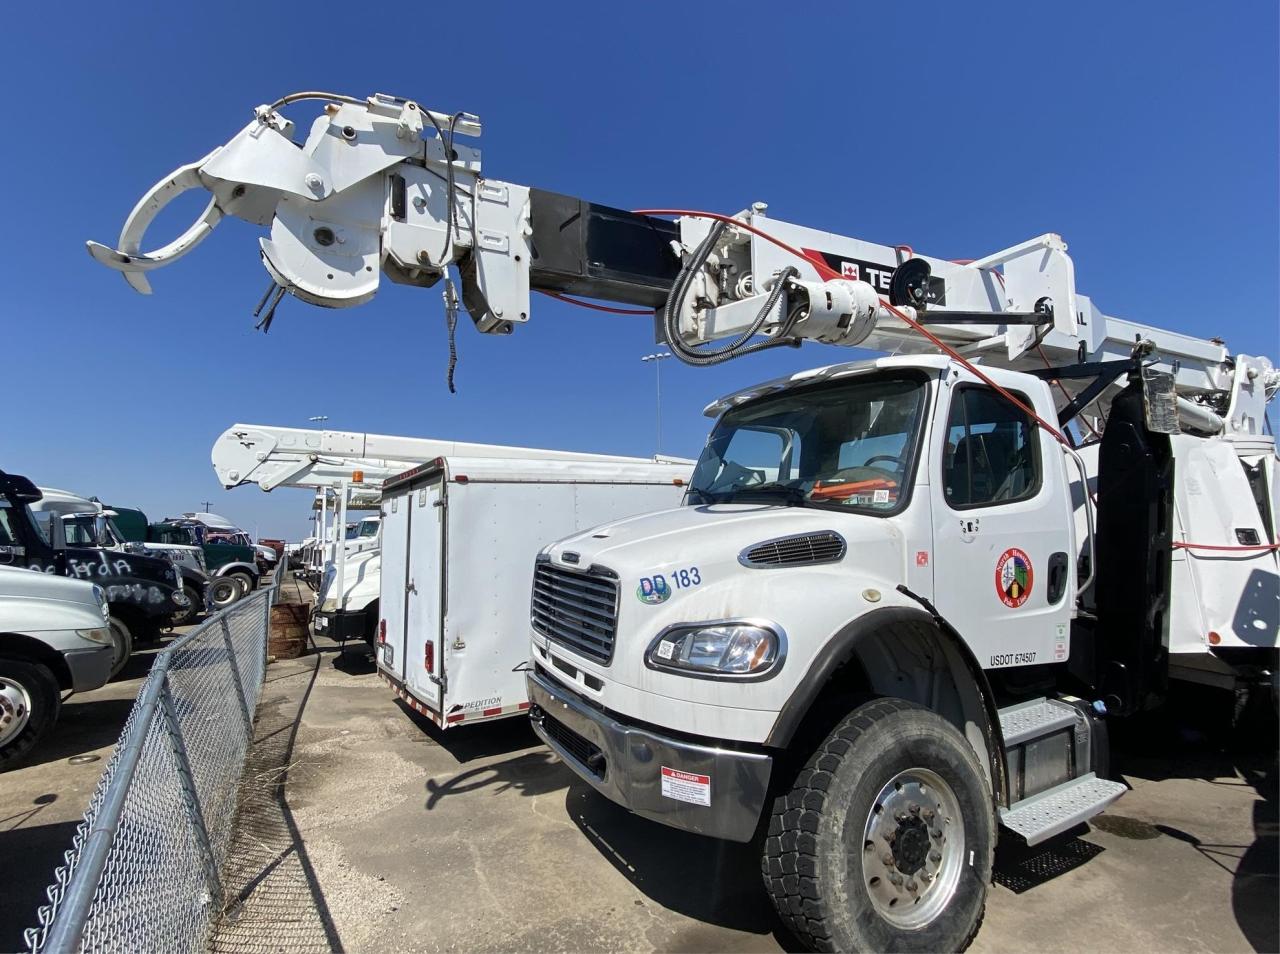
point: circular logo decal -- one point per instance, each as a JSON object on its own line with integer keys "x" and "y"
{"x": 653, "y": 590}
{"x": 1013, "y": 577}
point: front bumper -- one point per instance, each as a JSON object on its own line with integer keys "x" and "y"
{"x": 90, "y": 668}
{"x": 340, "y": 625}
{"x": 703, "y": 789}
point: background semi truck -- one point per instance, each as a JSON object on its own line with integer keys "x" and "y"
{"x": 55, "y": 637}
{"x": 143, "y": 592}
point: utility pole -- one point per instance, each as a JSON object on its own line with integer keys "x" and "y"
{"x": 318, "y": 418}
{"x": 657, "y": 367}
{"x": 206, "y": 504}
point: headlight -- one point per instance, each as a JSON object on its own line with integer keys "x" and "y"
{"x": 733, "y": 649}
{"x": 100, "y": 635}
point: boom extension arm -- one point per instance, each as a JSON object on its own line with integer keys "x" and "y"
{"x": 274, "y": 457}
{"x": 381, "y": 185}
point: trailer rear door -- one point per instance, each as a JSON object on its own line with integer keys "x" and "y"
{"x": 424, "y": 659}
{"x": 395, "y": 569}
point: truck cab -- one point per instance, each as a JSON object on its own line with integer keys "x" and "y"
{"x": 55, "y": 637}
{"x": 143, "y": 592}
{"x": 868, "y": 596}
{"x": 229, "y": 560}
{"x": 88, "y": 522}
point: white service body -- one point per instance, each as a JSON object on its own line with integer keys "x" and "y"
{"x": 458, "y": 545}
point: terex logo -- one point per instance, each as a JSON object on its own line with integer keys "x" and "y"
{"x": 876, "y": 275}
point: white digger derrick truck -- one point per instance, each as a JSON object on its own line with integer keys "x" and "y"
{"x": 350, "y": 467}
{"x": 904, "y": 595}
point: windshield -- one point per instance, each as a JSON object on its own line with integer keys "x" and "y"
{"x": 172, "y": 534}
{"x": 849, "y": 445}
{"x": 89, "y": 530}
{"x": 368, "y": 528}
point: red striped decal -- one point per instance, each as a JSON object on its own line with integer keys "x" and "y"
{"x": 496, "y": 710}
{"x": 525, "y": 705}
{"x": 457, "y": 717}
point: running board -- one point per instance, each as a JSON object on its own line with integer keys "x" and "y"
{"x": 1060, "y": 808}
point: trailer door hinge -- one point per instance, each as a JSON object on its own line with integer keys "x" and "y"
{"x": 441, "y": 681}
{"x": 437, "y": 503}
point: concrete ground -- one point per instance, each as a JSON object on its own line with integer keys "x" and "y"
{"x": 363, "y": 828}
{"x": 369, "y": 830}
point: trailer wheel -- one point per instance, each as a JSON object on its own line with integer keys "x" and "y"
{"x": 885, "y": 841}
{"x": 29, "y": 706}
{"x": 223, "y": 591}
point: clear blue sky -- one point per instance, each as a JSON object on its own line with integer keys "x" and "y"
{"x": 1144, "y": 133}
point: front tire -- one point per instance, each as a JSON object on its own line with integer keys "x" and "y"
{"x": 247, "y": 583}
{"x": 223, "y": 591}
{"x": 121, "y": 645}
{"x": 885, "y": 841}
{"x": 29, "y": 706}
{"x": 194, "y": 605}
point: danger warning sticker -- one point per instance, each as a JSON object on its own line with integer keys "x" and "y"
{"x": 686, "y": 786}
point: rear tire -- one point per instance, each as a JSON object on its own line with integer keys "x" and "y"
{"x": 885, "y": 841}
{"x": 29, "y": 706}
{"x": 121, "y": 645}
{"x": 223, "y": 591}
{"x": 246, "y": 582}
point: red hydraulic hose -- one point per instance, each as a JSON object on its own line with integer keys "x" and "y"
{"x": 827, "y": 273}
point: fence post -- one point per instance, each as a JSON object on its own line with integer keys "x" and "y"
{"x": 266, "y": 626}
{"x": 190, "y": 798}
{"x": 245, "y": 715}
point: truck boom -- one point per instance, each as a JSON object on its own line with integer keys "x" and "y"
{"x": 382, "y": 185}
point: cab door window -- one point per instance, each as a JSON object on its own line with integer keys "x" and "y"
{"x": 991, "y": 456}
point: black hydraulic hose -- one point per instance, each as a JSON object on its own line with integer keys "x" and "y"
{"x": 739, "y": 347}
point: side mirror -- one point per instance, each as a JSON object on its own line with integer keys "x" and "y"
{"x": 57, "y": 533}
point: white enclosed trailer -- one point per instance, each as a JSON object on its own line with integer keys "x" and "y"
{"x": 459, "y": 537}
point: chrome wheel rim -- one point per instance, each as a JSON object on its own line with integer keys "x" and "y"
{"x": 15, "y": 709}
{"x": 225, "y": 592}
{"x": 913, "y": 848}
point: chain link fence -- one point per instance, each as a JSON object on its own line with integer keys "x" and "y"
{"x": 142, "y": 873}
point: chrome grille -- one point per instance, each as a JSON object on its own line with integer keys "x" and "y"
{"x": 578, "y": 609}
{"x": 803, "y": 549}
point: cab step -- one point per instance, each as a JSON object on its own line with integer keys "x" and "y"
{"x": 1060, "y": 808}
{"x": 1035, "y": 719}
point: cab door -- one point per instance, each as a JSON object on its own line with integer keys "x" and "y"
{"x": 1002, "y": 529}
